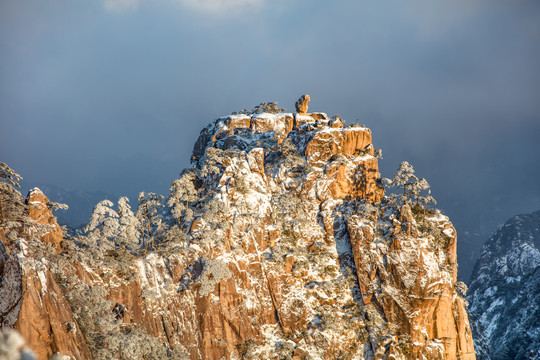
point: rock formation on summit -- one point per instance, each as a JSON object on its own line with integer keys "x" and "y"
{"x": 278, "y": 243}
{"x": 302, "y": 104}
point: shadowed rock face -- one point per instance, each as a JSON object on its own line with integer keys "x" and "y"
{"x": 504, "y": 292}
{"x": 291, "y": 251}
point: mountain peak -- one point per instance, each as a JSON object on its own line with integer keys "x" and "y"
{"x": 279, "y": 242}
{"x": 504, "y": 294}
{"x": 324, "y": 143}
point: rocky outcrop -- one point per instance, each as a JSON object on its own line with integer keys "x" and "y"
{"x": 302, "y": 104}
{"x": 398, "y": 280}
{"x": 345, "y": 154}
{"x": 31, "y": 300}
{"x": 40, "y": 212}
{"x": 504, "y": 294}
{"x": 282, "y": 245}
{"x": 44, "y": 317}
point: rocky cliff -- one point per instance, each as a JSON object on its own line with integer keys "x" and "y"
{"x": 505, "y": 291}
{"x": 279, "y": 243}
{"x": 31, "y": 300}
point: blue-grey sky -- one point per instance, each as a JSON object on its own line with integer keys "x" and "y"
{"x": 111, "y": 95}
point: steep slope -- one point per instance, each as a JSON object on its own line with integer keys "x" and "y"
{"x": 505, "y": 292}
{"x": 277, "y": 244}
{"x": 30, "y": 299}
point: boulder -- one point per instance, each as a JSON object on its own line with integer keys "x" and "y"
{"x": 301, "y": 104}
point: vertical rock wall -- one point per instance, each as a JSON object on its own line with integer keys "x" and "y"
{"x": 31, "y": 301}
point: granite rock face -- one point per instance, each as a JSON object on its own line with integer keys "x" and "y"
{"x": 39, "y": 211}
{"x": 30, "y": 299}
{"x": 278, "y": 243}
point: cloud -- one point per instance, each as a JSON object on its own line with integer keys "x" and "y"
{"x": 208, "y": 7}
{"x": 121, "y": 5}
{"x": 221, "y": 6}
{"x": 434, "y": 18}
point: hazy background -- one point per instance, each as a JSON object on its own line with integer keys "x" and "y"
{"x": 111, "y": 95}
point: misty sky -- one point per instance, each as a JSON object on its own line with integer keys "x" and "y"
{"x": 111, "y": 94}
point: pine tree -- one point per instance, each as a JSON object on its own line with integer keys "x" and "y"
{"x": 104, "y": 226}
{"x": 404, "y": 177}
{"x": 213, "y": 164}
{"x": 129, "y": 231}
{"x": 416, "y": 191}
{"x": 413, "y": 188}
{"x": 264, "y": 107}
{"x": 183, "y": 192}
{"x": 149, "y": 214}
{"x": 57, "y": 206}
{"x": 11, "y": 201}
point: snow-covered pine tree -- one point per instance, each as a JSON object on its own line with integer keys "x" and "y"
{"x": 268, "y": 107}
{"x": 129, "y": 231}
{"x": 149, "y": 213}
{"x": 213, "y": 164}
{"x": 414, "y": 189}
{"x": 183, "y": 192}
{"x": 11, "y": 201}
{"x": 57, "y": 206}
{"x": 104, "y": 226}
{"x": 404, "y": 177}
{"x": 417, "y": 190}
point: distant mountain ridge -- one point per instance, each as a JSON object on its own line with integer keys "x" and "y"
{"x": 504, "y": 292}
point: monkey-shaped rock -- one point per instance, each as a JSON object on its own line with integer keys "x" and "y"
{"x": 302, "y": 104}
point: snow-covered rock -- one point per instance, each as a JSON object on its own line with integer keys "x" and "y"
{"x": 30, "y": 299}
{"x": 284, "y": 248}
{"x": 504, "y": 292}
